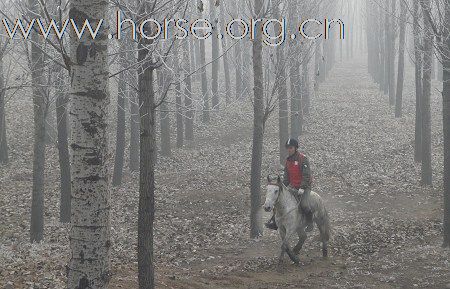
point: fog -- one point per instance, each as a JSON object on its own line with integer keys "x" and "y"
{"x": 224, "y": 144}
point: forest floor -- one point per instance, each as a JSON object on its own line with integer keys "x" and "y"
{"x": 386, "y": 227}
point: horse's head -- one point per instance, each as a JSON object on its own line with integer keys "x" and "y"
{"x": 274, "y": 187}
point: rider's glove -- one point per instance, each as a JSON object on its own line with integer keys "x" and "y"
{"x": 301, "y": 191}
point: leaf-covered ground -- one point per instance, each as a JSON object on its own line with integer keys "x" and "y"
{"x": 386, "y": 227}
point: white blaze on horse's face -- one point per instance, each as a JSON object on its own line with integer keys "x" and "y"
{"x": 271, "y": 197}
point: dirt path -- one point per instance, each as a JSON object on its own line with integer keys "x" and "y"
{"x": 386, "y": 228}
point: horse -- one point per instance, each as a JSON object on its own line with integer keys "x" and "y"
{"x": 290, "y": 220}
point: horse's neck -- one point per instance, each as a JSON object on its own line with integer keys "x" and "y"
{"x": 286, "y": 201}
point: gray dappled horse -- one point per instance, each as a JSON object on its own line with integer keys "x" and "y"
{"x": 290, "y": 220}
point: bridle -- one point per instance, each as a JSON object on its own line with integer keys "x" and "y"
{"x": 280, "y": 188}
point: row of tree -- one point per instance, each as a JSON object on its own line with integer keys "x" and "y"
{"x": 429, "y": 24}
{"x": 69, "y": 81}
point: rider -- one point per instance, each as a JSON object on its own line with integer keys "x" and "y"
{"x": 297, "y": 177}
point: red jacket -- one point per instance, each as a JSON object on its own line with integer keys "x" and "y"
{"x": 297, "y": 172}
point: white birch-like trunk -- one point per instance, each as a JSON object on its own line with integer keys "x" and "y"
{"x": 89, "y": 98}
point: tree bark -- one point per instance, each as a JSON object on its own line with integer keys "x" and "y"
{"x": 178, "y": 99}
{"x": 317, "y": 64}
{"x": 238, "y": 58}
{"x": 226, "y": 68}
{"x": 39, "y": 106}
{"x": 188, "y": 103}
{"x": 295, "y": 81}
{"x": 382, "y": 49}
{"x": 283, "y": 121}
{"x": 63, "y": 148}
{"x": 392, "y": 53}
{"x": 386, "y": 48}
{"x": 147, "y": 163}
{"x": 440, "y": 69}
{"x": 215, "y": 54}
{"x": 446, "y": 126}
{"x": 426, "y": 171}
{"x": 120, "y": 129}
{"x": 306, "y": 101}
{"x": 204, "y": 79}
{"x": 90, "y": 242}
{"x": 3, "y": 140}
{"x": 163, "y": 80}
{"x": 134, "y": 117}
{"x": 401, "y": 60}
{"x": 258, "y": 131}
{"x": 418, "y": 82}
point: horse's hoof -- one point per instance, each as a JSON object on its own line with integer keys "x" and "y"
{"x": 325, "y": 253}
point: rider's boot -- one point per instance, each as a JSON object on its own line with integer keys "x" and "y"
{"x": 309, "y": 222}
{"x": 271, "y": 224}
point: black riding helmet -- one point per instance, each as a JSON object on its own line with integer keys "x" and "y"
{"x": 292, "y": 142}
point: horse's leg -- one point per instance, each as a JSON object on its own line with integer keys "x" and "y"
{"x": 282, "y": 232}
{"x": 323, "y": 223}
{"x": 288, "y": 250}
{"x": 291, "y": 255}
{"x": 301, "y": 240}
{"x": 325, "y": 249}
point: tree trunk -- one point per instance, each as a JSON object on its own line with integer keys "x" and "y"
{"x": 322, "y": 66}
{"x": 392, "y": 54}
{"x": 426, "y": 172}
{"x": 215, "y": 56}
{"x": 226, "y": 68}
{"x": 205, "y": 116}
{"x": 283, "y": 121}
{"x": 258, "y": 132}
{"x": 401, "y": 60}
{"x": 90, "y": 242}
{"x": 188, "y": 103}
{"x": 147, "y": 165}
{"x": 440, "y": 71}
{"x": 163, "y": 81}
{"x": 39, "y": 103}
{"x": 294, "y": 97}
{"x": 204, "y": 78}
{"x": 374, "y": 44}
{"x": 295, "y": 81}
{"x": 246, "y": 49}
{"x": 120, "y": 129}
{"x": 238, "y": 58}
{"x": 433, "y": 64}
{"x": 3, "y": 140}
{"x": 382, "y": 47}
{"x": 386, "y": 48}
{"x": 317, "y": 61}
{"x": 306, "y": 102}
{"x": 418, "y": 82}
{"x": 134, "y": 118}
{"x": 63, "y": 148}
{"x": 178, "y": 99}
{"x": 446, "y": 123}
